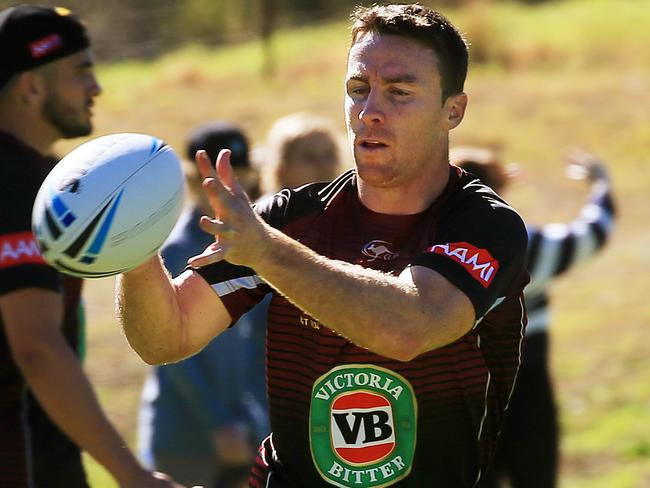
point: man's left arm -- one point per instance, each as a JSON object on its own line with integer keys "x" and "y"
{"x": 395, "y": 316}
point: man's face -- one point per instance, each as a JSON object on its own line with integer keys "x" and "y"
{"x": 397, "y": 123}
{"x": 70, "y": 88}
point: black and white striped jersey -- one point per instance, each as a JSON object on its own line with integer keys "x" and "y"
{"x": 553, "y": 249}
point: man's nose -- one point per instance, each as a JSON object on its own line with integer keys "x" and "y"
{"x": 372, "y": 111}
{"x": 95, "y": 88}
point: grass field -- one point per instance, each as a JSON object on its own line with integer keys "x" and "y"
{"x": 550, "y": 77}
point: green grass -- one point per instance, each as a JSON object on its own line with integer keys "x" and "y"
{"x": 562, "y": 74}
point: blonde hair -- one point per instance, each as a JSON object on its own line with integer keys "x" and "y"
{"x": 283, "y": 137}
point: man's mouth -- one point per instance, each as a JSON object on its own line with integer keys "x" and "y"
{"x": 370, "y": 144}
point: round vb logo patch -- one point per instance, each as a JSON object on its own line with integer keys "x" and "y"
{"x": 363, "y": 421}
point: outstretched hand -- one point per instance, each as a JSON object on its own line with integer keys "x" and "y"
{"x": 238, "y": 231}
{"x": 582, "y": 165}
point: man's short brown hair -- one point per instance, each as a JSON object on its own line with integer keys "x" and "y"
{"x": 425, "y": 26}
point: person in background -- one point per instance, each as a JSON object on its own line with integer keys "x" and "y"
{"x": 48, "y": 410}
{"x": 202, "y": 418}
{"x": 528, "y": 448}
{"x": 300, "y": 148}
{"x": 396, "y": 318}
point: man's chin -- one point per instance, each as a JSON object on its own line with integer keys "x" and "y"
{"x": 373, "y": 175}
{"x": 77, "y": 131}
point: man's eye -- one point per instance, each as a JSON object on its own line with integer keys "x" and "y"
{"x": 398, "y": 93}
{"x": 357, "y": 90}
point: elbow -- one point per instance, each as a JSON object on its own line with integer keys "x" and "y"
{"x": 151, "y": 351}
{"x": 152, "y": 347}
{"x": 34, "y": 356}
{"x": 406, "y": 356}
{"x": 27, "y": 357}
{"x": 151, "y": 359}
{"x": 403, "y": 347}
{"x": 157, "y": 357}
{"x": 407, "y": 352}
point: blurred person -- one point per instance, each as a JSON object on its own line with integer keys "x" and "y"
{"x": 300, "y": 148}
{"x": 396, "y": 317}
{"x": 528, "y": 448}
{"x": 202, "y": 418}
{"x": 48, "y": 410}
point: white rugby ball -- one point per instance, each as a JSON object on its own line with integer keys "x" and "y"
{"x": 108, "y": 205}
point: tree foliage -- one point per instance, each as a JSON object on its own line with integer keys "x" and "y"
{"x": 146, "y": 28}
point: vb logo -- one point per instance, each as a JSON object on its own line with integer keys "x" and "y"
{"x": 363, "y": 422}
{"x": 362, "y": 427}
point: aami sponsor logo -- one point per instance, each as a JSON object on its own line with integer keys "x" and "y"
{"x": 478, "y": 262}
{"x": 362, "y": 427}
{"x": 380, "y": 250}
{"x": 45, "y": 45}
{"x": 19, "y": 248}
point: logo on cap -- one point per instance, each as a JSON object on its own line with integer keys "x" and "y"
{"x": 46, "y": 45}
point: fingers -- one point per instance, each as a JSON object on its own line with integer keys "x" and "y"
{"x": 583, "y": 165}
{"x": 212, "y": 184}
{"x": 206, "y": 168}
{"x": 221, "y": 170}
{"x": 214, "y": 226}
{"x": 215, "y": 251}
{"x": 513, "y": 172}
{"x": 218, "y": 196}
{"x": 211, "y": 254}
{"x": 225, "y": 172}
{"x": 231, "y": 207}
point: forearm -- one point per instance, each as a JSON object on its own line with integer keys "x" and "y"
{"x": 56, "y": 378}
{"x": 148, "y": 310}
{"x": 383, "y": 313}
{"x": 164, "y": 320}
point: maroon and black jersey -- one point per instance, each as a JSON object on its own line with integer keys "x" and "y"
{"x": 33, "y": 451}
{"x": 344, "y": 416}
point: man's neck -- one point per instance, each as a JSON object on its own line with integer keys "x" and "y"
{"x": 408, "y": 199}
{"x": 34, "y": 133}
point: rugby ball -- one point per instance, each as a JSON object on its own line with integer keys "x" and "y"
{"x": 108, "y": 205}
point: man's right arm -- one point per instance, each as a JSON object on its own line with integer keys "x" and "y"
{"x": 168, "y": 320}
{"x": 556, "y": 248}
{"x": 56, "y": 378}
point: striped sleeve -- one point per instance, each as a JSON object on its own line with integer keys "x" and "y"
{"x": 556, "y": 248}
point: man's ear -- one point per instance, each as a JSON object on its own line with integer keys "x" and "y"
{"x": 455, "y": 106}
{"x": 32, "y": 86}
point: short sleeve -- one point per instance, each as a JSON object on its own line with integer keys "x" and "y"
{"x": 21, "y": 262}
{"x": 482, "y": 253}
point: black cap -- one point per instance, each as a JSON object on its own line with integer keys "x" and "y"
{"x": 34, "y": 35}
{"x": 215, "y": 136}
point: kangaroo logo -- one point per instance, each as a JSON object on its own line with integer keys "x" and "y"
{"x": 379, "y": 250}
